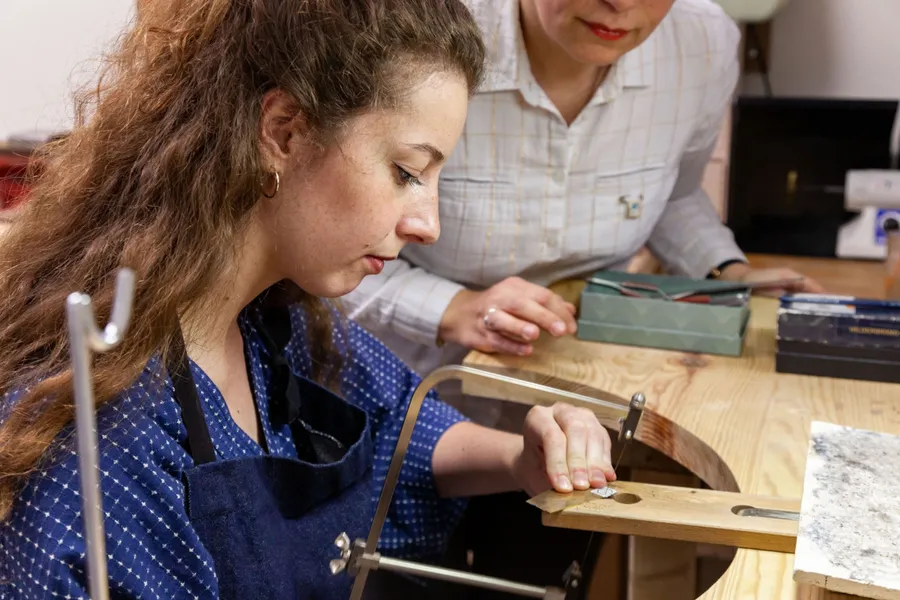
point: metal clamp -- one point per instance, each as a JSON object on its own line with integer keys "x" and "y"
{"x": 359, "y": 563}
{"x": 628, "y": 424}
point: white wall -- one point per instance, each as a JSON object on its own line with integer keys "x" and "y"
{"x": 837, "y": 48}
{"x": 831, "y": 48}
{"x": 46, "y": 47}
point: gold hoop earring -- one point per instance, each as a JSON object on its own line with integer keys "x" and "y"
{"x": 277, "y": 186}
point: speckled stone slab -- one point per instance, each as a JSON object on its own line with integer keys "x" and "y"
{"x": 849, "y": 533}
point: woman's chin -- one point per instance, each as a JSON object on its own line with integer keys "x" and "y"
{"x": 336, "y": 287}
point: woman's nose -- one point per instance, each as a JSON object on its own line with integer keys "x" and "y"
{"x": 422, "y": 224}
{"x": 621, "y": 5}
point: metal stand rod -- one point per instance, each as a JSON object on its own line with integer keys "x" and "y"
{"x": 376, "y": 562}
{"x": 536, "y": 394}
{"x": 84, "y": 337}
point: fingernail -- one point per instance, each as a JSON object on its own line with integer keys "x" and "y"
{"x": 563, "y": 483}
{"x": 558, "y": 328}
{"x": 581, "y": 480}
{"x": 530, "y": 332}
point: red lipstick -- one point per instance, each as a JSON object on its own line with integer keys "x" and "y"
{"x": 605, "y": 33}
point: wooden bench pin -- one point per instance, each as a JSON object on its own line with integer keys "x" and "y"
{"x": 844, "y": 531}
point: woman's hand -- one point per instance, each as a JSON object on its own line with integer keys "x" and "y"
{"x": 565, "y": 448}
{"x": 506, "y": 317}
{"x": 745, "y": 274}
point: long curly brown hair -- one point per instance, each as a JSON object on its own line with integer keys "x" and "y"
{"x": 162, "y": 170}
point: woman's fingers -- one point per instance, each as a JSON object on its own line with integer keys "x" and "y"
{"x": 552, "y": 441}
{"x": 555, "y": 319}
{"x": 588, "y": 446}
{"x": 535, "y": 304}
{"x": 598, "y": 459}
{"x": 571, "y": 447}
{"x": 507, "y": 317}
{"x": 566, "y": 312}
{"x": 576, "y": 454}
{"x": 511, "y": 326}
{"x": 497, "y": 342}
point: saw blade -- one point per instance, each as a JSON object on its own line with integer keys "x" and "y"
{"x": 621, "y": 454}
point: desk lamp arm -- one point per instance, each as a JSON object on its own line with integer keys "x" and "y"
{"x": 361, "y": 558}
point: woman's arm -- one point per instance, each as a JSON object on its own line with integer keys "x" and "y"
{"x": 448, "y": 458}
{"x": 471, "y": 460}
{"x": 153, "y": 550}
{"x": 562, "y": 447}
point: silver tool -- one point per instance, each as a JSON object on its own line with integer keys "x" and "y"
{"x": 738, "y": 286}
{"x": 633, "y": 289}
{"x": 766, "y": 513}
{"x": 84, "y": 338}
{"x": 360, "y": 557}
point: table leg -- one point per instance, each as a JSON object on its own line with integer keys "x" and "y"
{"x": 661, "y": 569}
{"x": 607, "y": 580}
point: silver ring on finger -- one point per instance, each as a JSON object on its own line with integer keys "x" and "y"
{"x": 487, "y": 316}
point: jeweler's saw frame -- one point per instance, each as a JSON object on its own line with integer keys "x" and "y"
{"x": 360, "y": 557}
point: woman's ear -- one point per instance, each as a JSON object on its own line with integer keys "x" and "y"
{"x": 279, "y": 125}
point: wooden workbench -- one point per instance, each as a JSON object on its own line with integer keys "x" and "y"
{"x": 734, "y": 421}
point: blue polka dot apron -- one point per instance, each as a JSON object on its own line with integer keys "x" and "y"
{"x": 270, "y": 522}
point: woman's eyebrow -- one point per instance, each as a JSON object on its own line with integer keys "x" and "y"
{"x": 436, "y": 155}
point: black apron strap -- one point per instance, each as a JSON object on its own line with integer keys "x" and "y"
{"x": 275, "y": 329}
{"x": 286, "y": 406}
{"x": 199, "y": 444}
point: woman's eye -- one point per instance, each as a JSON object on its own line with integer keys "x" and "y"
{"x": 406, "y": 177}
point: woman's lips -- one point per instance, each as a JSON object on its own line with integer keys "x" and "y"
{"x": 605, "y": 33}
{"x": 376, "y": 263}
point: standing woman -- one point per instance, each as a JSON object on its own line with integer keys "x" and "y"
{"x": 587, "y": 141}
{"x": 246, "y": 158}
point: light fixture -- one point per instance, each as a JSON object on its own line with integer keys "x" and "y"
{"x": 752, "y": 11}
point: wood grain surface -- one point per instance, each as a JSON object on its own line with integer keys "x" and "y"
{"x": 676, "y": 513}
{"x": 863, "y": 278}
{"x": 738, "y": 424}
